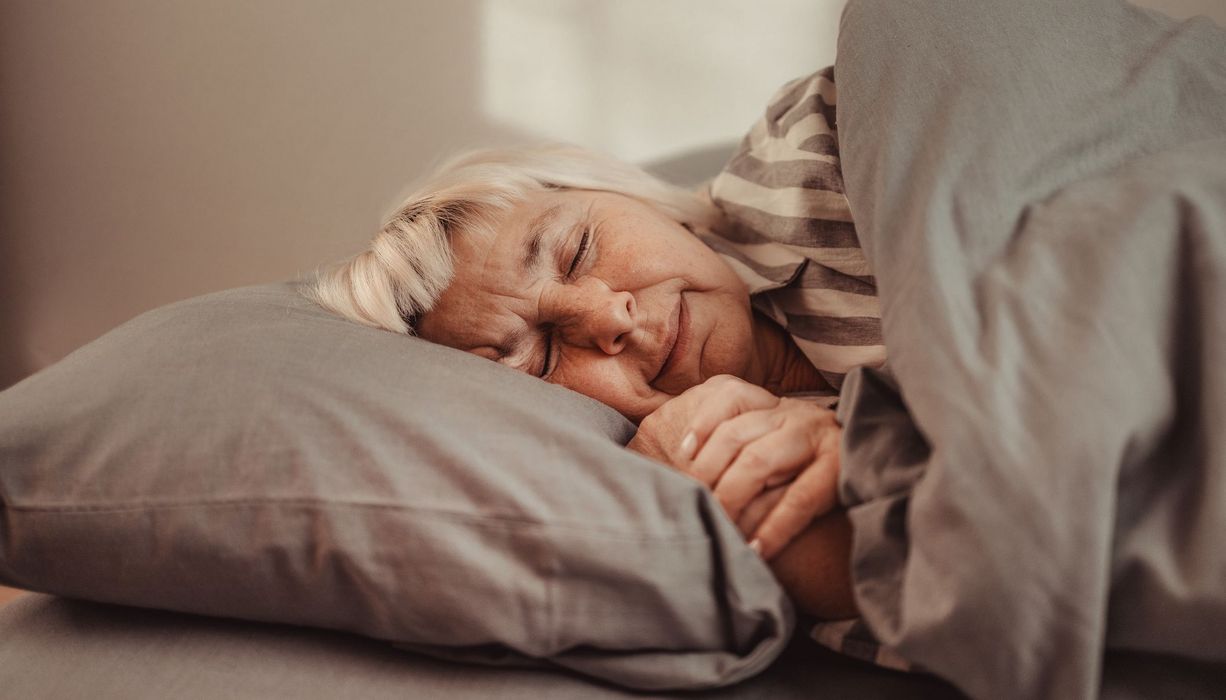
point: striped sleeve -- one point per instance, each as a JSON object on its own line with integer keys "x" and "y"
{"x": 788, "y": 230}
{"x": 789, "y": 234}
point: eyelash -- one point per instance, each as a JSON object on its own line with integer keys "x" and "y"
{"x": 583, "y": 246}
{"x": 584, "y": 243}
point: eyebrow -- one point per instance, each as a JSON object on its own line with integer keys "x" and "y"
{"x": 537, "y": 229}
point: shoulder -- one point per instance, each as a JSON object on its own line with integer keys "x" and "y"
{"x": 784, "y": 182}
{"x": 814, "y": 94}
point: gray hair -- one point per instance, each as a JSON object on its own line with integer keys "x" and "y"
{"x": 409, "y": 262}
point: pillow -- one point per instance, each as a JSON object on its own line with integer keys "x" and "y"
{"x": 248, "y": 454}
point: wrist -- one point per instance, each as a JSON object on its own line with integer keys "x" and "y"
{"x": 815, "y": 568}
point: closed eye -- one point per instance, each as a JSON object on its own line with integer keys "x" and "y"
{"x": 583, "y": 246}
{"x": 580, "y": 253}
{"x": 548, "y": 351}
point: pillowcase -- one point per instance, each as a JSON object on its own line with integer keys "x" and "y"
{"x": 248, "y": 454}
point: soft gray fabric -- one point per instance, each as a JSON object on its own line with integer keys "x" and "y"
{"x": 58, "y": 648}
{"x": 246, "y": 454}
{"x": 1041, "y": 189}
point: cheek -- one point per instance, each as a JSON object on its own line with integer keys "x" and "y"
{"x": 649, "y": 260}
{"x": 611, "y": 385}
{"x": 729, "y": 345}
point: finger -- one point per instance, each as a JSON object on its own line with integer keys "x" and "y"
{"x": 724, "y": 397}
{"x": 659, "y": 433}
{"x": 812, "y": 494}
{"x": 779, "y": 480}
{"x": 757, "y": 510}
{"x": 778, "y": 453}
{"x": 726, "y": 441}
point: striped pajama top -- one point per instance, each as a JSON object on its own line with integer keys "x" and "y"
{"x": 789, "y": 234}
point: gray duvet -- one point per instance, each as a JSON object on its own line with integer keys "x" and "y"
{"x": 1041, "y": 474}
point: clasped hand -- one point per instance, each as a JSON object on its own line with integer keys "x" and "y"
{"x": 772, "y": 462}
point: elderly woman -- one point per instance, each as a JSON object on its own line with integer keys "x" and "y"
{"x": 720, "y": 324}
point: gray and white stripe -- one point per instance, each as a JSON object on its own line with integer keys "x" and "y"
{"x": 790, "y": 235}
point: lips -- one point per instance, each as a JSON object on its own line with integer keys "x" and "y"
{"x": 678, "y": 338}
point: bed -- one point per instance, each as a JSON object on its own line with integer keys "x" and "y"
{"x": 60, "y": 648}
{"x": 241, "y": 494}
{"x": 53, "y": 647}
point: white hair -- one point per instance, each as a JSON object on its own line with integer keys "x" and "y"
{"x": 409, "y": 262}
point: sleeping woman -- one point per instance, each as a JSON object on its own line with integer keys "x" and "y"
{"x": 721, "y": 323}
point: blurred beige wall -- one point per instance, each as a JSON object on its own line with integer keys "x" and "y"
{"x": 152, "y": 150}
{"x": 157, "y": 150}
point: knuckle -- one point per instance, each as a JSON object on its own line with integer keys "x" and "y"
{"x": 649, "y": 421}
{"x": 754, "y": 461}
{"x": 730, "y": 385}
{"x": 811, "y": 411}
{"x": 748, "y": 388}
{"x": 719, "y": 435}
{"x": 730, "y": 432}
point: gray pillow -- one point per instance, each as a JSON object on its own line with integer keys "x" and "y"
{"x": 247, "y": 454}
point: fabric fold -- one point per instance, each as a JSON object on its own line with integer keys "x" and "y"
{"x": 1045, "y": 215}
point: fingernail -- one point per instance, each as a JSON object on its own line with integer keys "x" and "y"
{"x": 756, "y": 546}
{"x": 688, "y": 443}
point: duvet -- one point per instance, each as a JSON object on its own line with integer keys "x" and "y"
{"x": 1040, "y": 474}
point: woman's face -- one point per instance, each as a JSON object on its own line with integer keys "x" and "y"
{"x": 599, "y": 293}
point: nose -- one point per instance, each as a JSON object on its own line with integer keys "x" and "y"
{"x": 593, "y": 315}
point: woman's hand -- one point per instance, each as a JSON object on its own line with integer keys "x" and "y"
{"x": 772, "y": 463}
{"x": 744, "y": 458}
{"x": 660, "y": 434}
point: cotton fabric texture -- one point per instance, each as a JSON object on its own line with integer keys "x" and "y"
{"x": 1040, "y": 189}
{"x": 247, "y": 454}
{"x": 790, "y": 236}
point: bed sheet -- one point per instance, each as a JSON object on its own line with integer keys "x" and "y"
{"x": 59, "y": 648}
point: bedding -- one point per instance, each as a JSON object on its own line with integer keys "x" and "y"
{"x": 57, "y": 648}
{"x": 247, "y": 454}
{"x": 1035, "y": 481}
{"x": 1040, "y": 475}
